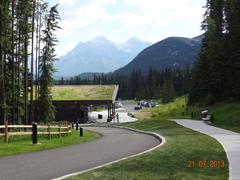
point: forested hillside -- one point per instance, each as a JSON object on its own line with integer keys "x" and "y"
{"x": 217, "y": 72}
{"x": 155, "y": 84}
{"x": 171, "y": 53}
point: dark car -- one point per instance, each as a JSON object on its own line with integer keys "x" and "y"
{"x": 136, "y": 108}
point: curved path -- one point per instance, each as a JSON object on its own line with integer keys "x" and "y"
{"x": 230, "y": 141}
{"x": 115, "y": 144}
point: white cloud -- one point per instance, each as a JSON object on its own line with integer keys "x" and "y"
{"x": 67, "y": 2}
{"x": 162, "y": 13}
{"x": 82, "y": 16}
{"x": 155, "y": 19}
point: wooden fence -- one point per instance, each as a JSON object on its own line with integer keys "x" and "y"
{"x": 21, "y": 130}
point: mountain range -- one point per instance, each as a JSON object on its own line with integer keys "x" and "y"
{"x": 171, "y": 52}
{"x": 98, "y": 55}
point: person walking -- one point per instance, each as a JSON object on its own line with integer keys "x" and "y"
{"x": 117, "y": 118}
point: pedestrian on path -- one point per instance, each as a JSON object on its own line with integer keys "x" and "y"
{"x": 117, "y": 118}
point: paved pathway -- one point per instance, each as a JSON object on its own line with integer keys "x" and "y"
{"x": 115, "y": 144}
{"x": 127, "y": 107}
{"x": 230, "y": 141}
{"x": 123, "y": 116}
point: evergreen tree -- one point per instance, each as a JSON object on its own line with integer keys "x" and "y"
{"x": 208, "y": 78}
{"x": 152, "y": 84}
{"x": 47, "y": 109}
{"x": 17, "y": 29}
{"x": 233, "y": 48}
{"x": 168, "y": 91}
{"x": 62, "y": 81}
{"x": 2, "y": 65}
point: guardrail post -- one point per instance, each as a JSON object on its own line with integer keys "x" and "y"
{"x": 34, "y": 133}
{"x": 81, "y": 131}
{"x": 6, "y": 132}
{"x": 212, "y": 117}
{"x": 49, "y": 131}
{"x": 77, "y": 126}
{"x": 59, "y": 131}
{"x": 70, "y": 129}
{"x": 192, "y": 115}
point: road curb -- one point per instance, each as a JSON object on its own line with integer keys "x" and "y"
{"x": 157, "y": 136}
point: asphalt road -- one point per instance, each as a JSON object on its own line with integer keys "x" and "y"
{"x": 129, "y": 105}
{"x": 115, "y": 144}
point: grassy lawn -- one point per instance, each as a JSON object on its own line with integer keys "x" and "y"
{"x": 23, "y": 144}
{"x": 82, "y": 92}
{"x": 173, "y": 160}
{"x": 168, "y": 111}
{"x": 226, "y": 115}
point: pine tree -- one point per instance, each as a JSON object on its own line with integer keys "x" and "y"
{"x": 20, "y": 27}
{"x": 26, "y": 12}
{"x": 6, "y": 39}
{"x": 32, "y": 61}
{"x": 17, "y": 28}
{"x": 208, "y": 78}
{"x": 13, "y": 103}
{"x": 165, "y": 91}
{"x": 233, "y": 47}
{"x": 2, "y": 65}
{"x": 47, "y": 109}
{"x": 62, "y": 81}
{"x": 168, "y": 90}
{"x": 152, "y": 84}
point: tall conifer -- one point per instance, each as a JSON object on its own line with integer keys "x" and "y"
{"x": 47, "y": 109}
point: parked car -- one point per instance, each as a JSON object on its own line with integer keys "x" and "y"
{"x": 142, "y": 103}
{"x": 154, "y": 104}
{"x": 148, "y": 105}
{"x": 131, "y": 115}
{"x": 137, "y": 108}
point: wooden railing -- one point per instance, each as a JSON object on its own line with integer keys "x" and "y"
{"x": 21, "y": 130}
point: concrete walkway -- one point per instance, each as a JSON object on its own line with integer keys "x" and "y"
{"x": 230, "y": 141}
{"x": 125, "y": 108}
{"x": 115, "y": 144}
{"x": 123, "y": 116}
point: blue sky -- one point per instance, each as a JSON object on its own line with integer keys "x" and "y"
{"x": 119, "y": 20}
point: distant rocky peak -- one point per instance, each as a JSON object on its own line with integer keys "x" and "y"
{"x": 134, "y": 39}
{"x": 98, "y": 55}
{"x": 100, "y": 39}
